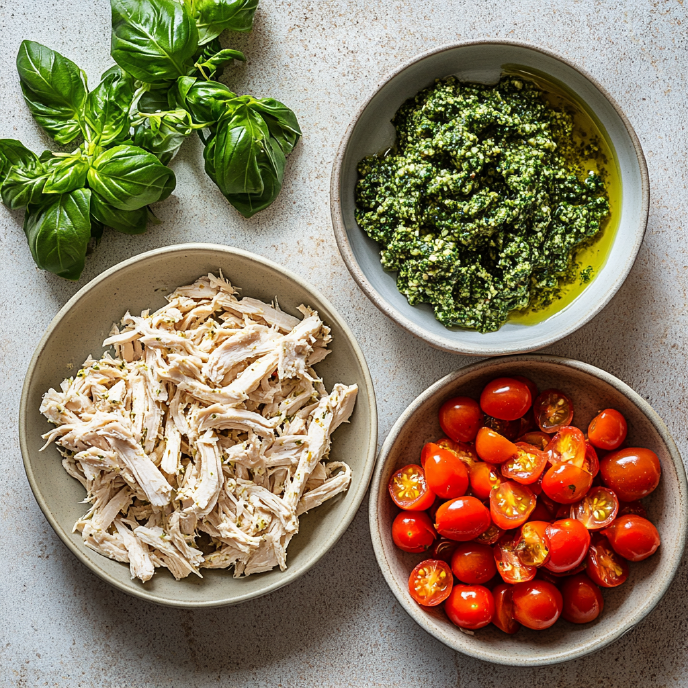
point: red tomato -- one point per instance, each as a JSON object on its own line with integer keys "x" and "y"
{"x": 510, "y": 429}
{"x": 505, "y": 398}
{"x": 540, "y": 513}
{"x": 529, "y": 384}
{"x": 567, "y": 446}
{"x": 553, "y": 410}
{"x": 466, "y": 452}
{"x": 462, "y": 519}
{"x": 537, "y": 604}
{"x": 473, "y": 563}
{"x": 484, "y": 477}
{"x": 445, "y": 473}
{"x": 511, "y": 504}
{"x": 566, "y": 483}
{"x": 607, "y": 430}
{"x": 633, "y": 537}
{"x": 557, "y": 578}
{"x": 460, "y": 418}
{"x": 532, "y": 543}
{"x": 431, "y": 582}
{"x": 413, "y": 532}
{"x": 568, "y": 544}
{"x": 409, "y": 489}
{"x": 510, "y": 567}
{"x": 632, "y": 473}
{"x": 470, "y": 606}
{"x": 443, "y": 549}
{"x": 492, "y": 447}
{"x": 604, "y": 566}
{"x": 490, "y": 536}
{"x": 526, "y": 466}
{"x": 637, "y": 508}
{"x": 444, "y": 442}
{"x": 537, "y": 438}
{"x": 597, "y": 509}
{"x": 583, "y": 601}
{"x": 591, "y": 463}
{"x": 527, "y": 422}
{"x": 504, "y": 609}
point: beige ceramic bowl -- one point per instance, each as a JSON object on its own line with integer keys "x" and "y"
{"x": 371, "y": 132}
{"x": 142, "y": 282}
{"x": 591, "y": 390}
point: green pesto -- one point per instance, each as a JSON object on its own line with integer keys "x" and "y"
{"x": 482, "y": 202}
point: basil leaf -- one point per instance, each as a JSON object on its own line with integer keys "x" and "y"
{"x": 24, "y": 185}
{"x": 206, "y": 100}
{"x": 214, "y": 16}
{"x": 281, "y": 121}
{"x": 163, "y": 133}
{"x": 67, "y": 175}
{"x": 106, "y": 110}
{"x": 58, "y": 233}
{"x": 125, "y": 221}
{"x": 97, "y": 228}
{"x": 209, "y": 66}
{"x": 54, "y": 89}
{"x": 128, "y": 178}
{"x": 153, "y": 40}
{"x": 17, "y": 153}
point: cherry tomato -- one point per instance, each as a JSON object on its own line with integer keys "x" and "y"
{"x": 431, "y": 582}
{"x": 484, "y": 477}
{"x": 553, "y": 410}
{"x": 409, "y": 489}
{"x": 445, "y": 473}
{"x": 490, "y": 536}
{"x": 511, "y": 504}
{"x": 532, "y": 543}
{"x": 566, "y": 483}
{"x": 492, "y": 447}
{"x": 537, "y": 438}
{"x": 443, "y": 549}
{"x": 473, "y": 563}
{"x": 633, "y": 537}
{"x": 537, "y": 604}
{"x": 591, "y": 463}
{"x": 462, "y": 519}
{"x": 632, "y": 473}
{"x": 603, "y": 565}
{"x": 444, "y": 442}
{"x": 470, "y": 606}
{"x": 460, "y": 418}
{"x": 557, "y": 578}
{"x": 510, "y": 567}
{"x": 637, "y": 508}
{"x": 526, "y": 466}
{"x": 583, "y": 601}
{"x": 597, "y": 509}
{"x": 569, "y": 540}
{"x": 510, "y": 429}
{"x": 527, "y": 422}
{"x": 532, "y": 387}
{"x": 607, "y": 430}
{"x": 567, "y": 446}
{"x": 413, "y": 532}
{"x": 540, "y": 512}
{"x": 505, "y": 398}
{"x": 466, "y": 452}
{"x": 504, "y": 609}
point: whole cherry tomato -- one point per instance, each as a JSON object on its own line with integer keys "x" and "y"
{"x": 632, "y": 473}
{"x": 506, "y": 428}
{"x": 510, "y": 567}
{"x": 529, "y": 384}
{"x": 484, "y": 478}
{"x": 431, "y": 582}
{"x": 637, "y": 508}
{"x": 537, "y": 604}
{"x": 537, "y": 438}
{"x": 583, "y": 601}
{"x": 567, "y": 446}
{"x": 470, "y": 606}
{"x": 443, "y": 549}
{"x": 607, "y": 430}
{"x": 532, "y": 543}
{"x": 460, "y": 418}
{"x": 553, "y": 410}
{"x": 504, "y": 609}
{"x": 511, "y": 504}
{"x": 413, "y": 531}
{"x": 566, "y": 483}
{"x": 462, "y": 519}
{"x": 473, "y": 563}
{"x": 505, "y": 398}
{"x": 603, "y": 565}
{"x": 409, "y": 489}
{"x": 633, "y": 537}
{"x": 445, "y": 473}
{"x": 597, "y": 509}
{"x": 569, "y": 540}
{"x": 526, "y": 466}
{"x": 492, "y": 447}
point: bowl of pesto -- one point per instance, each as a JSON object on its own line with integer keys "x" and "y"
{"x": 490, "y": 197}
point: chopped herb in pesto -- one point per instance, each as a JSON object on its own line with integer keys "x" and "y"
{"x": 478, "y": 206}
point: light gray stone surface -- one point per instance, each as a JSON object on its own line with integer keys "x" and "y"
{"x": 339, "y": 625}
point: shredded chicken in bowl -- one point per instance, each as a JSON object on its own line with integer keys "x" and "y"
{"x": 209, "y": 424}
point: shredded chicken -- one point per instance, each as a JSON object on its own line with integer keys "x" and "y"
{"x": 205, "y": 436}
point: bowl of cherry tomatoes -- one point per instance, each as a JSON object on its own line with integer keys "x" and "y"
{"x": 529, "y": 510}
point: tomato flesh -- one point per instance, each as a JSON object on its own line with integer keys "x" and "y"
{"x": 510, "y": 567}
{"x": 492, "y": 447}
{"x": 409, "y": 489}
{"x": 505, "y": 398}
{"x": 607, "y": 430}
{"x": 583, "y": 601}
{"x": 566, "y": 483}
{"x": 633, "y": 537}
{"x": 526, "y": 466}
{"x": 537, "y": 438}
{"x": 504, "y": 609}
{"x": 473, "y": 563}
{"x": 632, "y": 473}
{"x": 604, "y": 566}
{"x": 484, "y": 477}
{"x": 431, "y": 582}
{"x": 445, "y": 473}
{"x": 537, "y": 604}
{"x": 553, "y": 410}
{"x": 567, "y": 446}
{"x": 462, "y": 519}
{"x": 460, "y": 418}
{"x": 532, "y": 544}
{"x": 569, "y": 541}
{"x": 413, "y": 531}
{"x": 597, "y": 509}
{"x": 490, "y": 536}
{"x": 511, "y": 504}
{"x": 470, "y": 606}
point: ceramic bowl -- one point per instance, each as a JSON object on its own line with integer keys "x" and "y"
{"x": 371, "y": 131}
{"x": 140, "y": 283}
{"x": 591, "y": 389}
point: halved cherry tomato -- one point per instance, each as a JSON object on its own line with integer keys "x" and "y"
{"x": 633, "y": 537}
{"x": 505, "y": 398}
{"x": 540, "y": 512}
{"x": 597, "y": 509}
{"x": 526, "y": 466}
{"x": 490, "y": 536}
{"x": 566, "y": 483}
{"x": 607, "y": 430}
{"x": 537, "y": 438}
{"x": 583, "y": 601}
{"x": 510, "y": 567}
{"x": 460, "y": 418}
{"x": 463, "y": 450}
{"x": 445, "y": 473}
{"x": 473, "y": 563}
{"x": 444, "y": 442}
{"x": 567, "y": 446}
{"x": 511, "y": 504}
{"x": 409, "y": 489}
{"x": 510, "y": 429}
{"x": 470, "y": 606}
{"x": 591, "y": 463}
{"x": 504, "y": 609}
{"x": 484, "y": 478}
{"x": 553, "y": 410}
{"x": 492, "y": 447}
{"x": 462, "y": 519}
{"x": 443, "y": 549}
{"x": 603, "y": 565}
{"x": 569, "y": 540}
{"x": 632, "y": 473}
{"x": 413, "y": 532}
{"x": 466, "y": 452}
{"x": 637, "y": 508}
{"x": 431, "y": 582}
{"x": 537, "y": 604}
{"x": 532, "y": 543}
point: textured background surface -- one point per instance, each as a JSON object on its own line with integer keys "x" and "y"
{"x": 339, "y": 625}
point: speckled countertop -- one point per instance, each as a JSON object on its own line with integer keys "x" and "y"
{"x": 339, "y": 625}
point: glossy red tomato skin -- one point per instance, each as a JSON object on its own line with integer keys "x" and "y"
{"x": 443, "y": 549}
{"x": 505, "y": 398}
{"x": 537, "y": 604}
{"x": 442, "y": 582}
{"x": 603, "y": 565}
{"x": 460, "y": 418}
{"x": 412, "y": 531}
{"x": 470, "y": 606}
{"x": 473, "y": 563}
{"x": 511, "y": 504}
{"x": 566, "y": 483}
{"x": 509, "y": 565}
{"x": 632, "y": 473}
{"x": 597, "y": 509}
{"x": 526, "y": 466}
{"x": 553, "y": 410}
{"x": 569, "y": 541}
{"x": 633, "y": 537}
{"x": 484, "y": 477}
{"x": 445, "y": 473}
{"x": 607, "y": 430}
{"x": 462, "y": 519}
{"x": 492, "y": 447}
{"x": 532, "y": 387}
{"x": 583, "y": 601}
{"x": 403, "y": 486}
{"x": 504, "y": 609}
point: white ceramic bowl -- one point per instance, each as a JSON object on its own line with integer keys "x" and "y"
{"x": 371, "y": 131}
{"x": 591, "y": 389}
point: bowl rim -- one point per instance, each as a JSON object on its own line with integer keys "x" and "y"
{"x": 378, "y": 493}
{"x": 438, "y": 341}
{"x": 326, "y": 544}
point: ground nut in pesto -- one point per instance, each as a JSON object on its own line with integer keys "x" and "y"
{"x": 481, "y": 204}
